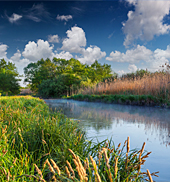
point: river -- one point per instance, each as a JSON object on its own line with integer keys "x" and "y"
{"x": 142, "y": 124}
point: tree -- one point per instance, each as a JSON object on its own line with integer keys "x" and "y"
{"x": 9, "y": 78}
{"x": 35, "y": 73}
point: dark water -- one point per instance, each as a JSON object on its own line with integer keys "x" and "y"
{"x": 142, "y": 124}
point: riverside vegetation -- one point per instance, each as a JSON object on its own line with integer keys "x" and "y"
{"x": 37, "y": 144}
{"x": 151, "y": 89}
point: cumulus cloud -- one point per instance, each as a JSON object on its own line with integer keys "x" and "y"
{"x": 146, "y": 20}
{"x": 153, "y": 59}
{"x": 132, "y": 68}
{"x": 62, "y": 55}
{"x": 53, "y": 38}
{"x": 76, "y": 40}
{"x": 91, "y": 54}
{"x": 14, "y": 18}
{"x": 3, "y": 51}
{"x": 16, "y": 57}
{"x": 132, "y": 55}
{"x": 64, "y": 17}
{"x": 35, "y": 51}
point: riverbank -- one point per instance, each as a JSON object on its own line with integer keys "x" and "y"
{"x": 37, "y": 144}
{"x": 136, "y": 100}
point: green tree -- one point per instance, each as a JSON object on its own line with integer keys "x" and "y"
{"x": 97, "y": 72}
{"x": 9, "y": 78}
{"x": 35, "y": 73}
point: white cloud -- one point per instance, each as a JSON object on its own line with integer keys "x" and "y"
{"x": 37, "y": 13}
{"x": 35, "y": 51}
{"x": 132, "y": 56}
{"x": 3, "y": 52}
{"x": 53, "y": 38}
{"x": 62, "y": 55}
{"x": 91, "y": 54}
{"x": 76, "y": 40}
{"x": 146, "y": 21}
{"x": 16, "y": 57}
{"x": 14, "y": 18}
{"x": 64, "y": 17}
{"x": 153, "y": 59}
{"x": 132, "y": 68}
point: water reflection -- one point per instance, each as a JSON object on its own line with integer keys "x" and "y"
{"x": 101, "y": 116}
{"x": 142, "y": 124}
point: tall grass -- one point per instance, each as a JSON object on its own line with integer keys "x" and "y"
{"x": 39, "y": 145}
{"x": 157, "y": 85}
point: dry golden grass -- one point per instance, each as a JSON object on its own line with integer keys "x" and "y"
{"x": 91, "y": 170}
{"x": 157, "y": 84}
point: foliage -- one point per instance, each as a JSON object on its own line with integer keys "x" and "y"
{"x": 9, "y": 78}
{"x": 45, "y": 76}
{"x": 31, "y": 136}
{"x": 140, "y": 100}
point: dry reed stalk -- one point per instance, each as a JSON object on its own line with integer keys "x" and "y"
{"x": 44, "y": 142}
{"x": 71, "y": 169}
{"x": 4, "y": 152}
{"x": 99, "y": 157}
{"x": 55, "y": 167}
{"x": 87, "y": 162}
{"x": 15, "y": 160}
{"x": 154, "y": 174}
{"x": 72, "y": 153}
{"x": 97, "y": 176}
{"x": 38, "y": 171}
{"x": 145, "y": 156}
{"x": 50, "y": 167}
{"x": 149, "y": 175}
{"x": 67, "y": 172}
{"x": 128, "y": 145}
{"x": 80, "y": 169}
{"x": 116, "y": 168}
{"x": 107, "y": 165}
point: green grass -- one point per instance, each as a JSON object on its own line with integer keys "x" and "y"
{"x": 32, "y": 134}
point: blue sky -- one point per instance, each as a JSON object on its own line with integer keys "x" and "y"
{"x": 128, "y": 35}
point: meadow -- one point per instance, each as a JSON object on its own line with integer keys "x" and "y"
{"x": 37, "y": 144}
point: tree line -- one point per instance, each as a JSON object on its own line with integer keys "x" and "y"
{"x": 56, "y": 77}
{"x": 53, "y": 78}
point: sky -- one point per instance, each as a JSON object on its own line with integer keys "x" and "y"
{"x": 129, "y": 35}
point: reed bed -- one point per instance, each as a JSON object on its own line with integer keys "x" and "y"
{"x": 37, "y": 145}
{"x": 157, "y": 84}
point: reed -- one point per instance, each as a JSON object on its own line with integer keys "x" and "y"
{"x": 157, "y": 84}
{"x": 113, "y": 166}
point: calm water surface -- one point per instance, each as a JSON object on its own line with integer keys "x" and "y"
{"x": 142, "y": 124}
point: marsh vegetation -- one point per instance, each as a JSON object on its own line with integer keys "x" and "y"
{"x": 40, "y": 145}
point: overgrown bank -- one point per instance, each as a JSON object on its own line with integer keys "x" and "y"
{"x": 138, "y": 100}
{"x": 39, "y": 145}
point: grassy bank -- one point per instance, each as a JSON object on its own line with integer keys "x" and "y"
{"x": 138, "y": 100}
{"x": 39, "y": 145}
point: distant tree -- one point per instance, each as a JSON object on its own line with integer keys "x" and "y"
{"x": 48, "y": 77}
{"x": 9, "y": 78}
{"x": 97, "y": 72}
